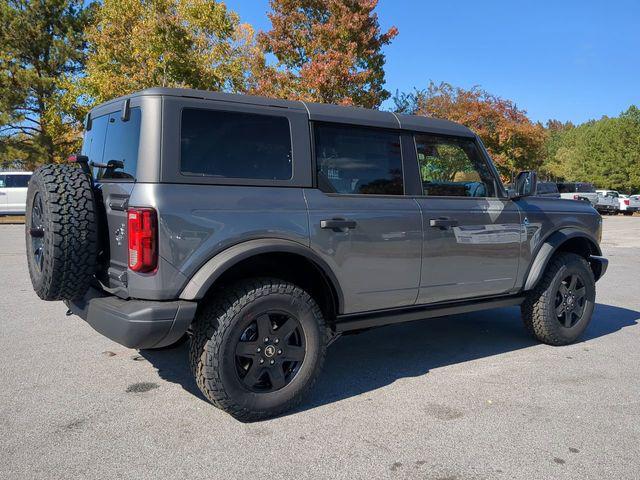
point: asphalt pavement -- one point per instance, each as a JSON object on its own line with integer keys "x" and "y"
{"x": 463, "y": 397}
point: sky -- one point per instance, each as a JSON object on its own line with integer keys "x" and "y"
{"x": 566, "y": 60}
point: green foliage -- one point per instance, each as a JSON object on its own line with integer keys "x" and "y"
{"x": 605, "y": 152}
{"x": 166, "y": 43}
{"x": 41, "y": 51}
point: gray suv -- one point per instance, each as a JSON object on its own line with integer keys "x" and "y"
{"x": 264, "y": 229}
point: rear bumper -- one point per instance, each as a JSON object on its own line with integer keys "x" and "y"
{"x": 135, "y": 323}
{"x": 598, "y": 266}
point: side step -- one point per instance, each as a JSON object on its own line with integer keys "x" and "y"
{"x": 358, "y": 321}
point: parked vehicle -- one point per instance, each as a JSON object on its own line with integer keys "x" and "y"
{"x": 578, "y": 191}
{"x": 608, "y": 203}
{"x": 267, "y": 228}
{"x": 13, "y": 192}
{"x": 548, "y": 189}
{"x": 629, "y": 204}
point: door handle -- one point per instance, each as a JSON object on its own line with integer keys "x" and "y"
{"x": 338, "y": 224}
{"x": 443, "y": 223}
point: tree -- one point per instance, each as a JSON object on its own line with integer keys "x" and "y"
{"x": 326, "y": 51}
{"x": 166, "y": 43}
{"x": 514, "y": 142}
{"x": 41, "y": 49}
{"x": 605, "y": 152}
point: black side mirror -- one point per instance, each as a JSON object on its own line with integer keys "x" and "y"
{"x": 526, "y": 185}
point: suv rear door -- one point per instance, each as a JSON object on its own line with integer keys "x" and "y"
{"x": 472, "y": 234}
{"x": 114, "y": 137}
{"x": 16, "y": 191}
{"x": 360, "y": 221}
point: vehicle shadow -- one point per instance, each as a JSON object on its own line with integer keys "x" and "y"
{"x": 360, "y": 363}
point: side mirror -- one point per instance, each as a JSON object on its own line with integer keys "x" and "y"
{"x": 525, "y": 185}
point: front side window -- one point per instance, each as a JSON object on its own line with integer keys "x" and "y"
{"x": 356, "y": 160}
{"x": 453, "y": 167}
{"x": 235, "y": 145}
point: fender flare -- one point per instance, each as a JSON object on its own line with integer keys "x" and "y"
{"x": 206, "y": 276}
{"x": 550, "y": 246}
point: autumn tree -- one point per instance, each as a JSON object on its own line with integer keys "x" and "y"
{"x": 42, "y": 48}
{"x": 325, "y": 51}
{"x": 513, "y": 141}
{"x": 166, "y": 43}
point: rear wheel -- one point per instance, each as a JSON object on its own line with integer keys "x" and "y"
{"x": 257, "y": 348}
{"x": 560, "y": 307}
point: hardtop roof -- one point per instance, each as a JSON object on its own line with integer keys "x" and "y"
{"x": 316, "y": 111}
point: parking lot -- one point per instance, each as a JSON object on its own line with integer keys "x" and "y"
{"x": 462, "y": 397}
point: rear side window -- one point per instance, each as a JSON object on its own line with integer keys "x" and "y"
{"x": 2, "y": 181}
{"x": 355, "y": 160}
{"x": 17, "y": 181}
{"x": 546, "y": 187}
{"x": 111, "y": 138}
{"x": 235, "y": 145}
{"x": 566, "y": 187}
{"x": 453, "y": 167}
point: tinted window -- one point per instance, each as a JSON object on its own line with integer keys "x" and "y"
{"x": 17, "y": 181}
{"x": 235, "y": 145}
{"x": 93, "y": 145}
{"x": 585, "y": 188}
{"x": 121, "y": 143}
{"x": 358, "y": 160}
{"x": 566, "y": 187}
{"x": 453, "y": 167}
{"x": 547, "y": 187}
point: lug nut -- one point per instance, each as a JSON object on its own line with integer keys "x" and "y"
{"x": 266, "y": 339}
{"x": 279, "y": 352}
{"x": 272, "y": 362}
{"x": 258, "y": 349}
{"x": 261, "y": 360}
{"x": 276, "y": 341}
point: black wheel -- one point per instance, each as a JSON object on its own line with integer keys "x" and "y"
{"x": 560, "y": 307}
{"x": 61, "y": 232}
{"x": 627, "y": 214}
{"x": 257, "y": 348}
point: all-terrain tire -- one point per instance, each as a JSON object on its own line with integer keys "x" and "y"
{"x": 61, "y": 232}
{"x": 216, "y": 333}
{"x": 539, "y": 310}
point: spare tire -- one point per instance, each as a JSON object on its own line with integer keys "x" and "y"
{"x": 61, "y": 232}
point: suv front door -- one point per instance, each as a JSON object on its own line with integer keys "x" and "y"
{"x": 361, "y": 223}
{"x": 472, "y": 236}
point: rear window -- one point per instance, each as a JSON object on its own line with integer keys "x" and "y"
{"x": 572, "y": 187}
{"x": 111, "y": 138}
{"x": 585, "y": 188}
{"x": 235, "y": 145}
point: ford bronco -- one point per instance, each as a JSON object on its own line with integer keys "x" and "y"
{"x": 264, "y": 229}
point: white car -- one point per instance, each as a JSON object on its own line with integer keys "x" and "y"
{"x": 608, "y": 202}
{"x": 13, "y": 192}
{"x": 629, "y": 204}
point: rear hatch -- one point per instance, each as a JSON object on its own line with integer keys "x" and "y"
{"x": 113, "y": 139}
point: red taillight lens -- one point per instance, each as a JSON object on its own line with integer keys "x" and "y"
{"x": 143, "y": 239}
{"x": 576, "y": 197}
{"x": 626, "y": 202}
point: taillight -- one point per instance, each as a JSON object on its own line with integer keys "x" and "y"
{"x": 576, "y": 197}
{"x": 626, "y": 202}
{"x": 143, "y": 239}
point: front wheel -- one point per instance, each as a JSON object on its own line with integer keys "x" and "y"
{"x": 558, "y": 310}
{"x": 258, "y": 348}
